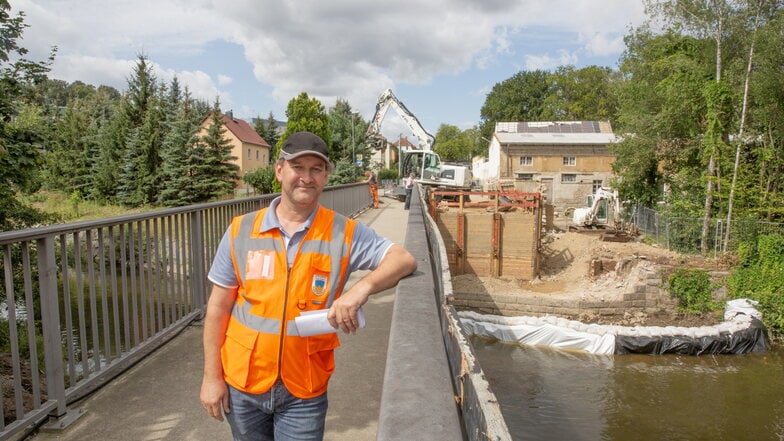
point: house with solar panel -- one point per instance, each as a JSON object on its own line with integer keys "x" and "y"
{"x": 566, "y": 161}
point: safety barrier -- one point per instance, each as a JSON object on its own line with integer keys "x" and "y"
{"x": 434, "y": 388}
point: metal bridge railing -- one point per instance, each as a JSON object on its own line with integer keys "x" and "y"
{"x": 82, "y": 302}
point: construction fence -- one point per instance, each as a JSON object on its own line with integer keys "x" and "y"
{"x": 684, "y": 234}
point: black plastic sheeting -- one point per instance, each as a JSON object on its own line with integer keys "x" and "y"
{"x": 752, "y": 339}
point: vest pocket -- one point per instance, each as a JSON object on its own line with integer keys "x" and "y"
{"x": 322, "y": 357}
{"x": 236, "y": 353}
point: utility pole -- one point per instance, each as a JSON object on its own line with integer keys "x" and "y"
{"x": 353, "y": 148}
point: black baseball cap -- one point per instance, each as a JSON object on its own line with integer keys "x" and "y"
{"x": 305, "y": 143}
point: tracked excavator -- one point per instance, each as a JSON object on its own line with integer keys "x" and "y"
{"x": 426, "y": 165}
{"x": 603, "y": 210}
{"x": 603, "y": 215}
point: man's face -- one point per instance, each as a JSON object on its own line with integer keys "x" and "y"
{"x": 302, "y": 179}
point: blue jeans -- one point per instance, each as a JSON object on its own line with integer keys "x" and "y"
{"x": 408, "y": 198}
{"x": 276, "y": 415}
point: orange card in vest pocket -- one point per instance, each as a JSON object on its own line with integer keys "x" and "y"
{"x": 261, "y": 265}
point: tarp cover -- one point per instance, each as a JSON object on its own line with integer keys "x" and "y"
{"x": 739, "y": 333}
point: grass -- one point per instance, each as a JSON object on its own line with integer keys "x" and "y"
{"x": 72, "y": 209}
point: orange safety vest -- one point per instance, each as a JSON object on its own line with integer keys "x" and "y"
{"x": 261, "y": 342}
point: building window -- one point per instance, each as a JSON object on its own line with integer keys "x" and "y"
{"x": 525, "y": 176}
{"x": 257, "y": 155}
{"x": 597, "y": 184}
{"x": 526, "y": 160}
{"x": 569, "y": 160}
{"x": 249, "y": 154}
{"x": 568, "y": 177}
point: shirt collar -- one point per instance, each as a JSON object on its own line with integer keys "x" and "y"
{"x": 271, "y": 221}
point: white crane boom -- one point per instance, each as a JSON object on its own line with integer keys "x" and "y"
{"x": 387, "y": 100}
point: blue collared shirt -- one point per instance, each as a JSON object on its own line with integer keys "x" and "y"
{"x": 367, "y": 247}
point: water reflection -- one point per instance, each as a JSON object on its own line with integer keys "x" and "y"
{"x": 549, "y": 394}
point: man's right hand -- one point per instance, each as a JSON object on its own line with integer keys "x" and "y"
{"x": 215, "y": 398}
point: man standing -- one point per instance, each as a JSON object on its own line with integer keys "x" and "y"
{"x": 373, "y": 184}
{"x": 409, "y": 184}
{"x": 270, "y": 266}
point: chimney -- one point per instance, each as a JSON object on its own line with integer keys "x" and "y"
{"x": 230, "y": 115}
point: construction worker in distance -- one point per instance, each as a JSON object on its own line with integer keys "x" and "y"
{"x": 372, "y": 181}
{"x": 271, "y": 265}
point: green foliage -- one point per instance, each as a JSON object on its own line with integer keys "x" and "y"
{"x": 68, "y": 161}
{"x": 760, "y": 276}
{"x": 181, "y": 153}
{"x": 74, "y": 201}
{"x": 262, "y": 179}
{"x": 216, "y": 174}
{"x": 692, "y": 288}
{"x": 344, "y": 173}
{"x": 519, "y": 98}
{"x": 452, "y": 144}
{"x": 347, "y": 133}
{"x": 581, "y": 94}
{"x": 21, "y": 133}
{"x": 567, "y": 94}
{"x": 305, "y": 114}
{"x": 23, "y": 341}
{"x": 388, "y": 174}
{"x": 106, "y": 173}
{"x": 267, "y": 129}
{"x": 661, "y": 106}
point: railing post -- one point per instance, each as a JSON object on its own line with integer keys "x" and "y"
{"x": 50, "y": 325}
{"x": 198, "y": 275}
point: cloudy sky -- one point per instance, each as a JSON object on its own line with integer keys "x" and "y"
{"x": 440, "y": 57}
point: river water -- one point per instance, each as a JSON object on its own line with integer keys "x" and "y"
{"x": 549, "y": 394}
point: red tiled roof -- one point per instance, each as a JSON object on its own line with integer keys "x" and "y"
{"x": 243, "y": 131}
{"x": 404, "y": 142}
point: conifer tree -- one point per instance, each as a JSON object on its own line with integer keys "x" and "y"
{"x": 218, "y": 174}
{"x": 106, "y": 169}
{"x": 151, "y": 136}
{"x": 181, "y": 154}
{"x": 267, "y": 129}
{"x": 140, "y": 159}
{"x": 128, "y": 185}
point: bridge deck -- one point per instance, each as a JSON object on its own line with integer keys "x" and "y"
{"x": 158, "y": 399}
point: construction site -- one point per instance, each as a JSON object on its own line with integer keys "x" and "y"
{"x": 506, "y": 258}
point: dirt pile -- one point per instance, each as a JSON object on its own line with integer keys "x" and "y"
{"x": 582, "y": 267}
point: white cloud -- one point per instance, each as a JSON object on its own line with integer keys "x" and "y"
{"x": 225, "y": 80}
{"x": 329, "y": 49}
{"x": 199, "y": 83}
{"x": 547, "y": 62}
{"x": 603, "y": 45}
{"x": 102, "y": 71}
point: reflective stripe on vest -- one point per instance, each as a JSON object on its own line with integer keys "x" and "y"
{"x": 337, "y": 249}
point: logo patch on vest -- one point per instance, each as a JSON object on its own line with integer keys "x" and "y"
{"x": 319, "y": 285}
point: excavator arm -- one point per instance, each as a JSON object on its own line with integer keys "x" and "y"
{"x": 587, "y": 216}
{"x": 386, "y": 101}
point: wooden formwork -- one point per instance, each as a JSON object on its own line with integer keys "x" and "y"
{"x": 490, "y": 233}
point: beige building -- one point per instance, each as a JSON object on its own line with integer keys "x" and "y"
{"x": 564, "y": 160}
{"x": 250, "y": 149}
